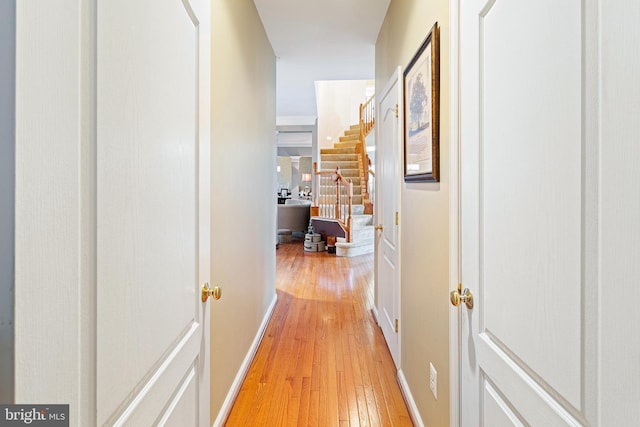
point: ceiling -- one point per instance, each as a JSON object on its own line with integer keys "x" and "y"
{"x": 319, "y": 40}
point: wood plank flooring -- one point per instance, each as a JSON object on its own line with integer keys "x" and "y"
{"x": 323, "y": 360}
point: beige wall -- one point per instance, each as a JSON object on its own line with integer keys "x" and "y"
{"x": 243, "y": 148}
{"x": 424, "y": 218}
{"x": 285, "y": 180}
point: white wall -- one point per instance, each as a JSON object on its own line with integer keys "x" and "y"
{"x": 243, "y": 176}
{"x": 7, "y": 193}
{"x": 338, "y": 103}
{"x": 284, "y": 174}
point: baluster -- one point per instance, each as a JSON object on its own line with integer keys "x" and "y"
{"x": 321, "y": 195}
{"x": 342, "y": 202}
{"x": 326, "y": 212}
{"x": 341, "y": 207}
{"x": 327, "y": 198}
{"x": 321, "y": 190}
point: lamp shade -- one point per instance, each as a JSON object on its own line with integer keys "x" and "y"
{"x": 306, "y": 177}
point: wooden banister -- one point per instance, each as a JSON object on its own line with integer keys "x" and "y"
{"x": 336, "y": 203}
{"x": 367, "y": 116}
{"x": 367, "y": 122}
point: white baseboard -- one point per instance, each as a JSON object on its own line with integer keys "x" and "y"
{"x": 244, "y": 368}
{"x": 408, "y": 397}
{"x": 374, "y": 311}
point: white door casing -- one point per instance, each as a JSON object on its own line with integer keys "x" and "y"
{"x": 113, "y": 194}
{"x": 388, "y": 188}
{"x": 527, "y": 209}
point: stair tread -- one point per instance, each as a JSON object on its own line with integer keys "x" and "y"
{"x": 345, "y": 150}
{"x": 339, "y": 157}
{"x": 350, "y": 138}
{"x": 348, "y": 144}
{"x": 343, "y": 165}
{"x": 351, "y": 174}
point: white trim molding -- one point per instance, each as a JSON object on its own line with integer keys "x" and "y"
{"x": 225, "y": 410}
{"x": 416, "y": 418}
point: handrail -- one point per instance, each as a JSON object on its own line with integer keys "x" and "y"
{"x": 367, "y": 122}
{"x": 337, "y": 201}
{"x": 367, "y": 116}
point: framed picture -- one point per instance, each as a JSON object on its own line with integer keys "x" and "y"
{"x": 422, "y": 111}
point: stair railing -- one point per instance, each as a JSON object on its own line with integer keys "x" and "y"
{"x": 367, "y": 122}
{"x": 332, "y": 197}
{"x": 367, "y": 117}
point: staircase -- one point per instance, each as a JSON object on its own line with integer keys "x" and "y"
{"x": 344, "y": 155}
{"x": 342, "y": 205}
{"x": 347, "y": 157}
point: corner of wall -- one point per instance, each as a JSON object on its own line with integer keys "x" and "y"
{"x": 243, "y": 125}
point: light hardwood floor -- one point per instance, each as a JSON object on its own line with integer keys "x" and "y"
{"x": 323, "y": 360}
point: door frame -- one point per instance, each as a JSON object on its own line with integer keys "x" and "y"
{"x": 455, "y": 261}
{"x": 395, "y": 78}
{"x": 65, "y": 301}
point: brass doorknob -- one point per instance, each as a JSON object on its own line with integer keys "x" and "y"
{"x": 207, "y": 292}
{"x": 458, "y": 296}
{"x": 378, "y": 227}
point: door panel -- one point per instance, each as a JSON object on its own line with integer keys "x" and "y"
{"x": 388, "y": 205}
{"x": 149, "y": 324}
{"x": 182, "y": 410}
{"x": 530, "y": 186}
{"x": 496, "y": 411}
{"x": 112, "y": 193}
{"x": 523, "y": 213}
{"x": 388, "y": 314}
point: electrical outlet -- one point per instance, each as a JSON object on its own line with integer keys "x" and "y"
{"x": 433, "y": 380}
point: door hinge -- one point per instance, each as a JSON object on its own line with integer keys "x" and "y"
{"x": 396, "y": 111}
{"x": 396, "y": 218}
{"x": 396, "y": 326}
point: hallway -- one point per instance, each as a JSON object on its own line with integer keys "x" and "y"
{"x": 323, "y": 360}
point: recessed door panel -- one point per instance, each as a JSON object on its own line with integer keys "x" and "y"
{"x": 148, "y": 135}
{"x": 523, "y": 213}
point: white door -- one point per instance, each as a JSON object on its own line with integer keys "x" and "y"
{"x": 113, "y": 199}
{"x": 152, "y": 204}
{"x": 388, "y": 205}
{"x": 527, "y": 207}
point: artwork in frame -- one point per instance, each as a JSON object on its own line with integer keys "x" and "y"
{"x": 421, "y": 111}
